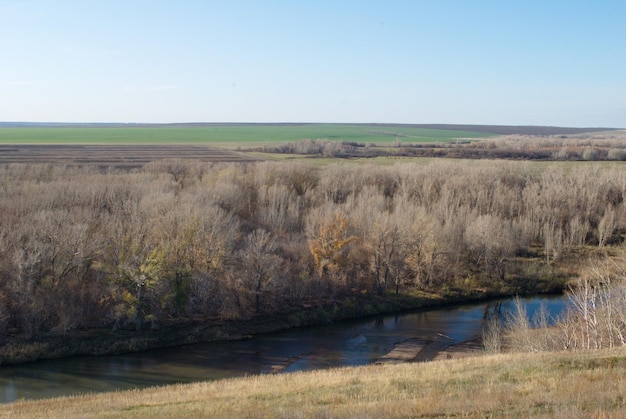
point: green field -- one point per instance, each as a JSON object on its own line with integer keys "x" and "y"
{"x": 248, "y": 135}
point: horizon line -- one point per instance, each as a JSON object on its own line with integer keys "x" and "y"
{"x": 389, "y": 124}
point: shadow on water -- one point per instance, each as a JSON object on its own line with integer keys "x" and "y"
{"x": 349, "y": 343}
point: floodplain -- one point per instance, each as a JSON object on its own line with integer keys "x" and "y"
{"x": 170, "y": 239}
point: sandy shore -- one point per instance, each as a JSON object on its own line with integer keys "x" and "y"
{"x": 439, "y": 347}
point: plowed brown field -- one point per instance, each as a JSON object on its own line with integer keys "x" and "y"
{"x": 119, "y": 156}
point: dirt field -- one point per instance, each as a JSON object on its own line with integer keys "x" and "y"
{"x": 119, "y": 156}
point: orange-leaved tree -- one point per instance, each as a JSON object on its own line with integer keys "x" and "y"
{"x": 327, "y": 242}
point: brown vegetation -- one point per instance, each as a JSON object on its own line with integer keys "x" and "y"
{"x": 597, "y": 146}
{"x": 84, "y": 249}
{"x": 562, "y": 385}
{"x": 595, "y": 319}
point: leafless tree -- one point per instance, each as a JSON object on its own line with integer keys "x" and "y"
{"x": 260, "y": 263}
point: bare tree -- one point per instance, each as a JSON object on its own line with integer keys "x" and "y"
{"x": 491, "y": 242}
{"x": 260, "y": 262}
{"x": 607, "y": 225}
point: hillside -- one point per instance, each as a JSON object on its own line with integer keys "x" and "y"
{"x": 584, "y": 384}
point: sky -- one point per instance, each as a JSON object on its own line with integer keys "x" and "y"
{"x": 546, "y": 62}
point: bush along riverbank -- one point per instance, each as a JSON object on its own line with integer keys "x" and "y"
{"x": 16, "y": 349}
{"x": 99, "y": 342}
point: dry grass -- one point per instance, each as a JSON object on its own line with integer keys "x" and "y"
{"x": 591, "y": 384}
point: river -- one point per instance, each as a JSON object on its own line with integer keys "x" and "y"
{"x": 355, "y": 342}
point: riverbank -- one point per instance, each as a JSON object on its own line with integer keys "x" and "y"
{"x": 438, "y": 348}
{"x": 16, "y": 350}
{"x": 504, "y": 385}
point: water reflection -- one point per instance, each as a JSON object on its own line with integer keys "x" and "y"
{"x": 356, "y": 342}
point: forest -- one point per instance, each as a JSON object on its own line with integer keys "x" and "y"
{"x": 85, "y": 248}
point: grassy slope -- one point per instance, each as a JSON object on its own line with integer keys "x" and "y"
{"x": 226, "y": 135}
{"x": 591, "y": 384}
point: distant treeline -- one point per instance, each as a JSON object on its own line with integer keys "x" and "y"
{"x": 85, "y": 248}
{"x": 607, "y": 146}
{"x": 503, "y": 129}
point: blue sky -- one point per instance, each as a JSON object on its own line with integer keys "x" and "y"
{"x": 546, "y": 62}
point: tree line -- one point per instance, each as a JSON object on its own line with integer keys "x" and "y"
{"x": 598, "y": 146}
{"x": 83, "y": 247}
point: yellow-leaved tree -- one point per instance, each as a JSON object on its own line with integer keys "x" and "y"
{"x": 328, "y": 239}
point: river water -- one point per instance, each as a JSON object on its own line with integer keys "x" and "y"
{"x": 355, "y": 342}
